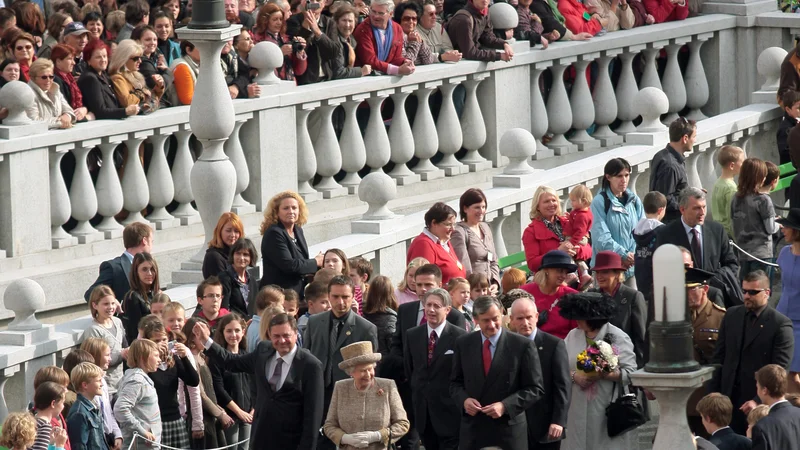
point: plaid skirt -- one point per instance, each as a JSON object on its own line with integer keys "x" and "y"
{"x": 175, "y": 434}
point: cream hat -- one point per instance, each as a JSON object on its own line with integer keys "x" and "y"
{"x": 358, "y": 353}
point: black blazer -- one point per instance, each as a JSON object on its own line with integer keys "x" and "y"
{"x": 727, "y": 439}
{"x": 779, "y": 430}
{"x": 286, "y": 419}
{"x": 285, "y": 263}
{"x": 134, "y": 307}
{"x": 554, "y": 405}
{"x": 631, "y": 318}
{"x": 215, "y": 261}
{"x": 98, "y": 95}
{"x": 430, "y": 385}
{"x": 515, "y": 378}
{"x": 772, "y": 343}
{"x": 114, "y": 274}
{"x": 232, "y": 299}
{"x": 318, "y": 336}
{"x": 393, "y": 367}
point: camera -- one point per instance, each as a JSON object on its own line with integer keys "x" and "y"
{"x": 298, "y": 46}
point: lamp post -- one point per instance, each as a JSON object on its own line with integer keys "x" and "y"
{"x": 211, "y": 115}
{"x": 672, "y": 374}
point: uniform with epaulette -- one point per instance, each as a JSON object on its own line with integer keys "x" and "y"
{"x": 706, "y": 321}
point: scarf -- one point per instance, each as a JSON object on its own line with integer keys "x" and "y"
{"x": 383, "y": 48}
{"x": 74, "y": 91}
{"x": 483, "y": 12}
{"x": 554, "y": 7}
{"x": 555, "y": 227}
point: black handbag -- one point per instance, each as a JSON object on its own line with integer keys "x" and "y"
{"x": 624, "y": 414}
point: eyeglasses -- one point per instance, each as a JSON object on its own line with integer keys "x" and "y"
{"x": 214, "y": 296}
{"x": 408, "y": 19}
{"x": 136, "y": 58}
{"x": 25, "y": 47}
{"x": 753, "y": 292}
{"x": 47, "y": 77}
{"x": 378, "y": 13}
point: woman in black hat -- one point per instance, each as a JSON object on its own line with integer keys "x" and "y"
{"x": 789, "y": 305}
{"x": 591, "y": 395}
{"x": 548, "y": 288}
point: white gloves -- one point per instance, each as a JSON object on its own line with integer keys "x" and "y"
{"x": 362, "y": 439}
{"x": 369, "y": 436}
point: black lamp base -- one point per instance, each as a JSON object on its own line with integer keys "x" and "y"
{"x": 208, "y": 15}
{"x": 671, "y": 348}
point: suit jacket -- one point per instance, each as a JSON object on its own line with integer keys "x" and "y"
{"x": 114, "y": 273}
{"x": 290, "y": 417}
{"x": 474, "y": 252}
{"x": 317, "y": 340}
{"x": 515, "y": 379}
{"x": 779, "y": 430}
{"x": 557, "y": 384}
{"x": 718, "y": 256}
{"x": 727, "y": 439}
{"x": 430, "y": 385}
{"x": 284, "y": 262}
{"x": 406, "y": 320}
{"x": 631, "y": 318}
{"x": 772, "y": 342}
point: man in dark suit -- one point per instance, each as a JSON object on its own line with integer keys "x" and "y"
{"x": 781, "y": 428}
{"x": 496, "y": 378}
{"x": 706, "y": 240}
{"x": 547, "y": 419}
{"x": 715, "y": 411}
{"x": 428, "y": 357}
{"x": 289, "y": 384}
{"x": 115, "y": 273}
{"x": 328, "y": 332}
{"x": 410, "y": 315}
{"x": 750, "y": 337}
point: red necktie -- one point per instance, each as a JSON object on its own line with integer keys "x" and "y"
{"x": 423, "y": 321}
{"x": 431, "y": 346}
{"x": 487, "y": 357}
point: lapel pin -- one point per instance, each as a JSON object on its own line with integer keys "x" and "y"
{"x": 347, "y": 333}
{"x": 624, "y": 300}
{"x": 541, "y": 348}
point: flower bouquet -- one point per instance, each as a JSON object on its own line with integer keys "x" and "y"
{"x": 599, "y": 357}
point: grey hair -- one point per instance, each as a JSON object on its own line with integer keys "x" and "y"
{"x": 281, "y": 3}
{"x": 528, "y": 299}
{"x": 689, "y": 193}
{"x": 389, "y": 4}
{"x": 439, "y": 292}
{"x": 483, "y": 303}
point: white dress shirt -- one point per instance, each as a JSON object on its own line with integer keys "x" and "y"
{"x": 690, "y": 237}
{"x": 287, "y": 359}
{"x": 438, "y": 329}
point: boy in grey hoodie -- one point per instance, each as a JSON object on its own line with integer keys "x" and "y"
{"x": 136, "y": 409}
{"x": 655, "y": 206}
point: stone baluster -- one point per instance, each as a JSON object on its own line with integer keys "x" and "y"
{"x": 233, "y": 148}
{"x": 109, "y": 189}
{"x": 539, "y": 110}
{"x": 354, "y": 153}
{"x": 650, "y": 74}
{"x": 375, "y": 138}
{"x": 426, "y": 140}
{"x": 449, "y": 130}
{"x": 692, "y": 161}
{"x": 580, "y": 100}
{"x": 159, "y": 180}
{"x": 697, "y": 92}
{"x": 473, "y": 128}
{"x": 626, "y": 91}
{"x": 559, "y": 111}
{"x": 181, "y": 178}
{"x": 60, "y": 208}
{"x": 135, "y": 192}
{"x": 637, "y": 173}
{"x": 5, "y": 374}
{"x": 82, "y": 196}
{"x": 605, "y": 102}
{"x": 673, "y": 84}
{"x": 401, "y": 140}
{"x": 496, "y": 223}
{"x": 306, "y": 161}
{"x": 326, "y": 149}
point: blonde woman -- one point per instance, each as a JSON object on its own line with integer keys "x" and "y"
{"x": 129, "y": 84}
{"x": 49, "y": 105}
{"x": 548, "y": 229}
{"x": 407, "y": 290}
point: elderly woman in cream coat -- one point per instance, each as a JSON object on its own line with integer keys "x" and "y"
{"x": 49, "y": 105}
{"x": 365, "y": 411}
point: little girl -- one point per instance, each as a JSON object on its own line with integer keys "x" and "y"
{"x": 214, "y": 417}
{"x": 48, "y": 399}
{"x": 160, "y": 300}
{"x": 478, "y": 286}
{"x": 137, "y": 407}
{"x": 144, "y": 285}
{"x": 101, "y": 352}
{"x": 460, "y": 294}
{"x": 19, "y": 431}
{"x": 174, "y": 365}
{"x": 580, "y": 222}
{"x": 233, "y": 389}
{"x": 102, "y": 305}
{"x": 406, "y": 290}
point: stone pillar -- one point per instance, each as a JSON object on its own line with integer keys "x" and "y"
{"x": 181, "y": 178}
{"x": 473, "y": 128}
{"x": 82, "y": 196}
{"x": 448, "y": 129}
{"x": 134, "y": 182}
{"x": 375, "y": 138}
{"x": 426, "y": 140}
{"x": 723, "y": 72}
{"x": 626, "y": 91}
{"x": 605, "y": 102}
{"x": 695, "y": 78}
{"x": 354, "y": 153}
{"x": 559, "y": 111}
{"x": 326, "y": 149}
{"x": 673, "y": 84}
{"x": 159, "y": 180}
{"x": 233, "y": 148}
{"x": 650, "y": 74}
{"x": 25, "y": 202}
{"x": 582, "y": 106}
{"x": 60, "y": 207}
{"x": 539, "y": 111}
{"x": 401, "y": 140}
{"x": 109, "y": 190}
{"x": 306, "y": 160}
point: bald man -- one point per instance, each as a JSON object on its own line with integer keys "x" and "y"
{"x": 548, "y": 417}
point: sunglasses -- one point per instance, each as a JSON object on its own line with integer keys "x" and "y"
{"x": 136, "y": 58}
{"x": 408, "y": 19}
{"x": 47, "y": 77}
{"x": 753, "y": 292}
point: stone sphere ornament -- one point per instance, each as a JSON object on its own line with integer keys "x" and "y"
{"x": 266, "y": 57}
{"x": 16, "y": 96}
{"x": 376, "y": 190}
{"x": 651, "y": 103}
{"x": 24, "y": 297}
{"x": 769, "y": 66}
{"x": 519, "y": 146}
{"x": 503, "y": 16}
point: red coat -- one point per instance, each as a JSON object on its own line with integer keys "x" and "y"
{"x": 555, "y": 324}
{"x": 366, "y": 48}
{"x": 666, "y": 11}
{"x": 580, "y": 223}
{"x": 537, "y": 240}
{"x": 449, "y": 264}
{"x": 572, "y": 10}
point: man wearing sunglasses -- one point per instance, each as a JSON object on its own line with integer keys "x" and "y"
{"x": 751, "y": 336}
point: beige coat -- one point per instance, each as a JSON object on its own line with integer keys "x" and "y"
{"x": 611, "y": 20}
{"x": 48, "y": 106}
{"x": 378, "y": 408}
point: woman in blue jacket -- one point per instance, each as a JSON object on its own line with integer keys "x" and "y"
{"x": 616, "y": 210}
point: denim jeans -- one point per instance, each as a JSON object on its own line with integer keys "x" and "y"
{"x": 238, "y": 432}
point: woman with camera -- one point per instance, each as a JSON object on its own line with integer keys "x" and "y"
{"x": 271, "y": 27}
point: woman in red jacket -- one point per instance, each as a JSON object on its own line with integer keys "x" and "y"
{"x": 434, "y": 244}
{"x": 548, "y": 288}
{"x": 577, "y": 18}
{"x": 667, "y": 10}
